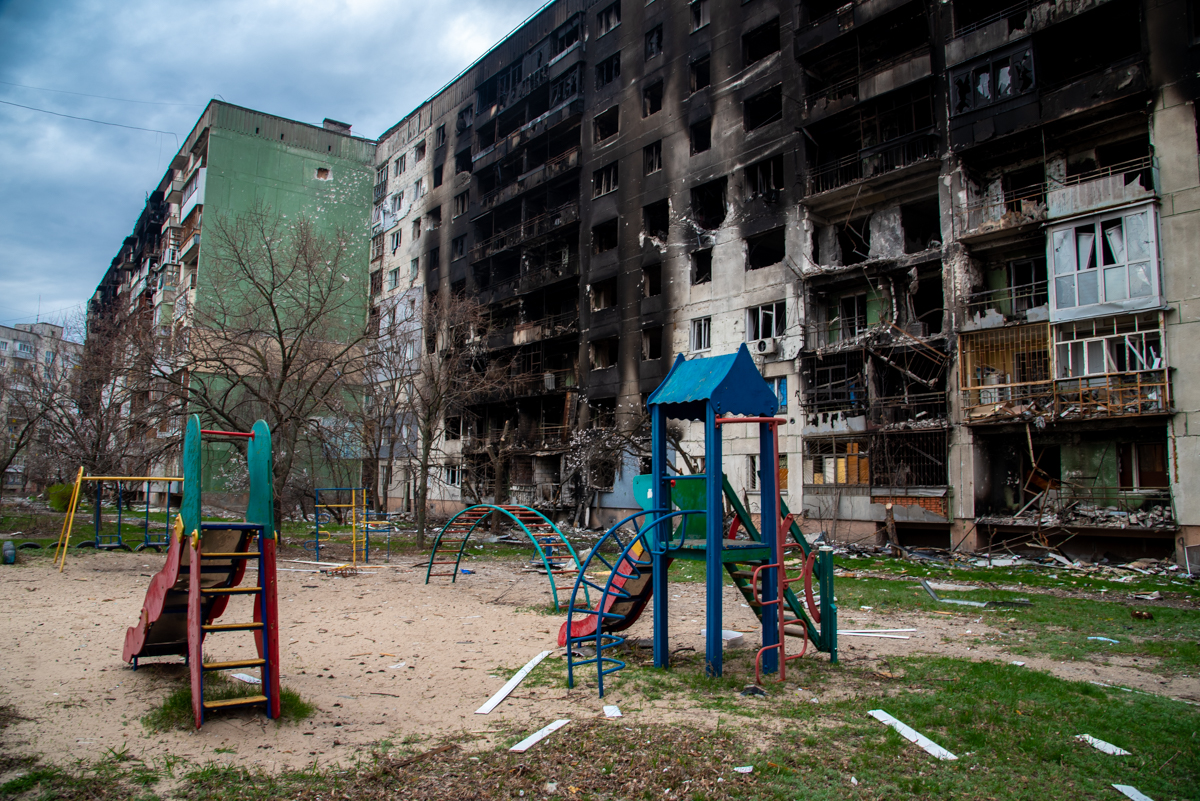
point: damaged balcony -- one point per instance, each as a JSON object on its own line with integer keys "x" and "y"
{"x": 823, "y": 21}
{"x": 526, "y": 231}
{"x": 530, "y": 179}
{"x": 1100, "y": 369}
{"x": 888, "y": 53}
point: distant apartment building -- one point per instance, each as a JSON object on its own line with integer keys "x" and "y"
{"x": 34, "y": 359}
{"x": 960, "y": 238}
{"x": 235, "y": 160}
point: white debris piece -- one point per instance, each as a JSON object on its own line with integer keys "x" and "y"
{"x": 1132, "y": 793}
{"x": 503, "y": 692}
{"x": 912, "y": 735}
{"x": 1100, "y": 745}
{"x": 612, "y": 711}
{"x": 539, "y": 735}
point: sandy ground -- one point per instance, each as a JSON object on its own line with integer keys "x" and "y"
{"x": 380, "y": 655}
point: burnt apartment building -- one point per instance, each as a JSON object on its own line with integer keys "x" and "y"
{"x": 959, "y": 237}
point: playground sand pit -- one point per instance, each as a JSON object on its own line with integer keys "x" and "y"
{"x": 382, "y": 656}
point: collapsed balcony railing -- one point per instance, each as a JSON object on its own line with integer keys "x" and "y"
{"x": 1105, "y": 507}
{"x": 849, "y": 87}
{"x": 524, "y": 231}
{"x": 1009, "y": 301}
{"x": 871, "y": 162}
{"x": 1126, "y": 394}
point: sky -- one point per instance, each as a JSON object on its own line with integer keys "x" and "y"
{"x": 71, "y": 190}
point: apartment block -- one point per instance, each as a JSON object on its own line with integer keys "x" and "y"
{"x": 960, "y": 238}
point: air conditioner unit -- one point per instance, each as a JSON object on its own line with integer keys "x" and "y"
{"x": 762, "y": 347}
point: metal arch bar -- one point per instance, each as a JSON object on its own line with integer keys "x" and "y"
{"x": 768, "y": 420}
{"x": 215, "y": 433}
{"x": 507, "y": 511}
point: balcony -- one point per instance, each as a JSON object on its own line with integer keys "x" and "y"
{"x": 544, "y": 382}
{"x": 191, "y": 250}
{"x": 567, "y": 111}
{"x": 174, "y": 192}
{"x": 1116, "y": 185}
{"x": 526, "y": 231}
{"x": 1028, "y": 303}
{"x": 536, "y": 331}
{"x": 884, "y": 77}
{"x": 873, "y": 162}
{"x": 381, "y": 190}
{"x": 844, "y": 19}
{"x": 1000, "y": 211}
{"x": 559, "y": 165}
{"x": 1124, "y": 508}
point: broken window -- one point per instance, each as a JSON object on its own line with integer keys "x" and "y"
{"x": 708, "y": 204}
{"x": 607, "y": 124}
{"x": 565, "y": 36}
{"x": 652, "y": 280}
{"x": 458, "y": 247}
{"x": 419, "y": 189}
{"x": 433, "y": 259}
{"x": 416, "y": 229}
{"x": 604, "y": 294}
{"x": 701, "y": 135}
{"x": 702, "y": 266}
{"x": 701, "y": 338}
{"x": 452, "y": 475}
{"x": 565, "y": 86}
{"x": 397, "y": 202}
{"x": 765, "y": 249}
{"x": 1142, "y": 465}
{"x": 376, "y": 287}
{"x": 910, "y": 459}
{"x": 323, "y": 173}
{"x": 1124, "y": 345}
{"x": 999, "y": 78}
{"x": 608, "y": 70}
{"x": 852, "y": 315}
{"x": 765, "y": 178}
{"x": 654, "y": 42}
{"x": 763, "y": 109}
{"x": 462, "y": 161}
{"x": 652, "y": 99}
{"x": 608, "y": 18}
{"x": 377, "y": 247}
{"x": 438, "y": 171}
{"x": 453, "y": 428}
{"x": 604, "y": 180}
{"x": 780, "y": 387}
{"x": 764, "y": 322}
{"x": 419, "y": 151}
{"x": 462, "y": 203}
{"x": 760, "y": 42}
{"x": 656, "y": 220}
{"x": 604, "y": 236}
{"x": 652, "y": 157}
{"x": 433, "y": 219}
{"x": 1105, "y": 259}
{"x": 466, "y": 117}
{"x": 701, "y": 14}
{"x": 605, "y": 352}
{"x": 700, "y": 75}
{"x": 439, "y": 137}
{"x": 922, "y": 225}
{"x": 414, "y": 267}
{"x": 398, "y": 164}
{"x": 396, "y": 240}
{"x": 836, "y": 461}
{"x": 652, "y": 343}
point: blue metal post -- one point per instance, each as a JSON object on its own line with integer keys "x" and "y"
{"x": 714, "y": 573}
{"x": 660, "y": 498}
{"x": 768, "y": 495}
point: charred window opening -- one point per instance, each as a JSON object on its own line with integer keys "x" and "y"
{"x": 836, "y": 383}
{"x": 976, "y": 13}
{"x": 604, "y": 412}
{"x": 608, "y": 18}
{"x": 999, "y": 78}
{"x": 608, "y": 70}
{"x": 419, "y": 151}
{"x": 458, "y": 288}
{"x": 702, "y": 266}
{"x": 765, "y": 179}
{"x": 851, "y": 315}
{"x": 438, "y": 172}
{"x": 604, "y": 294}
{"x": 854, "y": 240}
{"x": 607, "y": 123}
{"x": 652, "y": 157}
{"x": 462, "y": 161}
{"x": 440, "y": 137}
{"x": 708, "y": 204}
{"x": 764, "y": 322}
{"x": 765, "y": 249}
{"x": 458, "y": 247}
{"x": 652, "y": 280}
{"x": 566, "y": 86}
{"x": 654, "y": 42}
{"x": 700, "y": 74}
{"x": 760, "y": 42}
{"x": 1112, "y": 32}
{"x": 465, "y": 119}
{"x": 652, "y": 343}
{"x": 462, "y": 203}
{"x": 656, "y": 220}
{"x": 453, "y": 428}
{"x": 652, "y": 99}
{"x": 565, "y": 36}
{"x": 910, "y": 459}
{"x": 1142, "y": 465}
{"x": 1129, "y": 156}
{"x": 604, "y": 236}
{"x": 433, "y": 220}
{"x": 928, "y": 304}
{"x": 701, "y": 14}
{"x": 605, "y": 180}
{"x": 701, "y": 136}
{"x": 922, "y": 224}
{"x": 763, "y": 109}
{"x": 605, "y": 352}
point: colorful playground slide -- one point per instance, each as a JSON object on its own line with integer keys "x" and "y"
{"x": 633, "y": 587}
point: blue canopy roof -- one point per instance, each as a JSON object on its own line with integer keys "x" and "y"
{"x": 732, "y": 384}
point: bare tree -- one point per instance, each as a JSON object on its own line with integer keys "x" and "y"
{"x": 452, "y": 370}
{"x": 278, "y": 332}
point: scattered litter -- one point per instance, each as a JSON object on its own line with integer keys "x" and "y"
{"x": 468, "y": 572}
{"x": 1106, "y": 639}
{"x": 854, "y": 781}
{"x": 396, "y": 666}
{"x": 1139, "y": 614}
{"x": 753, "y": 690}
{"x": 977, "y": 604}
{"x": 745, "y": 769}
{"x": 1100, "y": 745}
{"x": 1018, "y": 664}
{"x": 1132, "y": 793}
{"x": 911, "y": 734}
{"x": 731, "y": 639}
{"x": 873, "y": 634}
{"x": 503, "y": 692}
{"x": 866, "y": 608}
{"x": 1150, "y": 596}
{"x": 246, "y": 677}
{"x": 612, "y": 711}
{"x": 540, "y": 734}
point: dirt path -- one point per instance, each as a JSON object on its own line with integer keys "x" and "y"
{"x": 381, "y": 656}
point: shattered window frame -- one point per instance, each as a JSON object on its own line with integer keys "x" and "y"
{"x": 701, "y": 335}
{"x": 608, "y": 70}
{"x": 997, "y": 79}
{"x": 1095, "y": 267}
{"x": 766, "y": 321}
{"x": 608, "y": 18}
{"x": 701, "y": 14}
{"x": 652, "y": 157}
{"x": 654, "y": 42}
{"x": 700, "y": 73}
{"x": 606, "y": 180}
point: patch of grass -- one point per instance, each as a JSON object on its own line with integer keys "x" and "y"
{"x": 175, "y": 712}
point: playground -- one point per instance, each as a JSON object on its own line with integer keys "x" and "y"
{"x": 697, "y": 650}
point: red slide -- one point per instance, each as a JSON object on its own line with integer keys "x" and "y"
{"x": 639, "y": 591}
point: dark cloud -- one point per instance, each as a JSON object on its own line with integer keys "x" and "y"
{"x": 71, "y": 190}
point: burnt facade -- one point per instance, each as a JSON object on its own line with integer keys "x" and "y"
{"x": 959, "y": 236}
